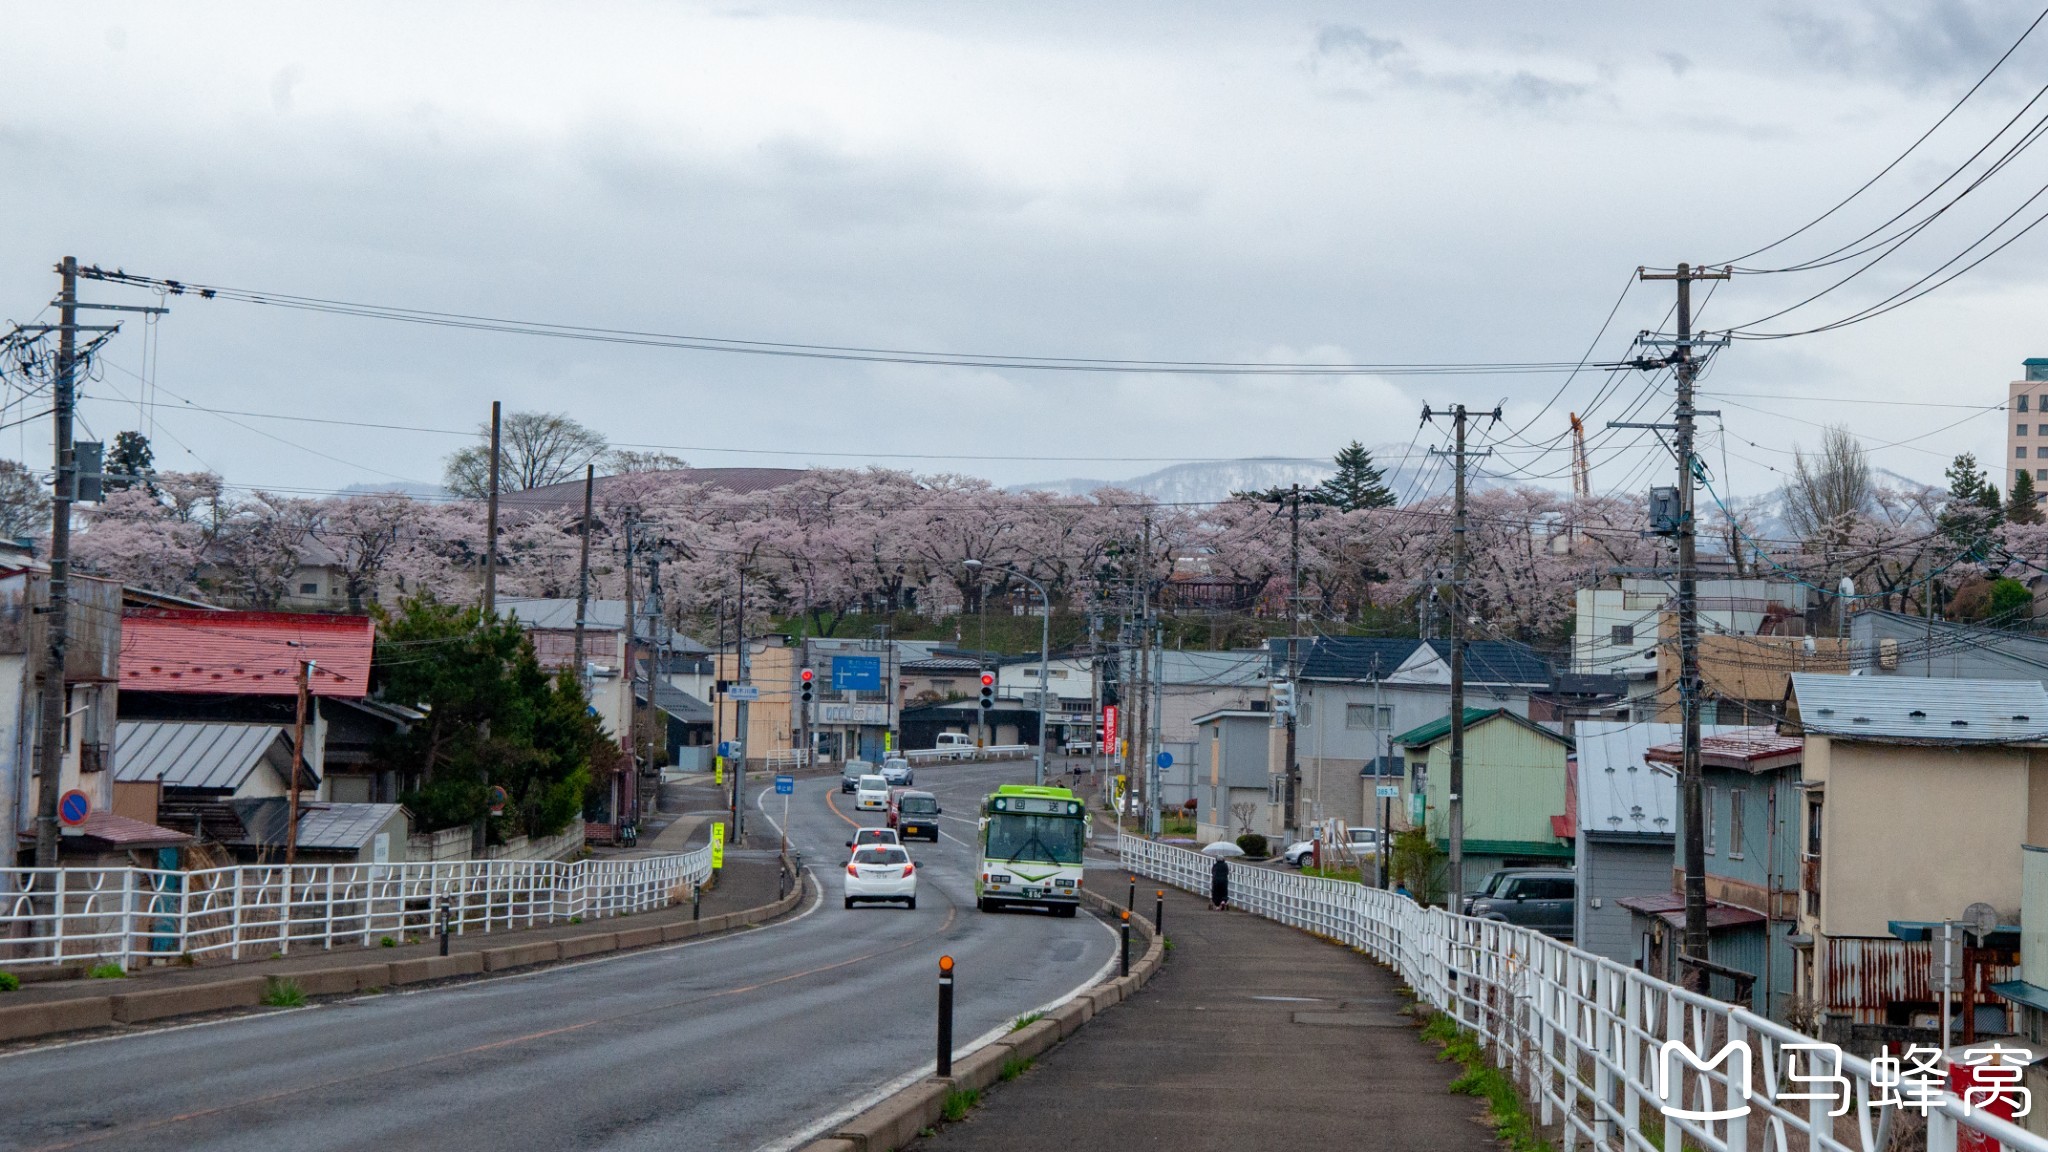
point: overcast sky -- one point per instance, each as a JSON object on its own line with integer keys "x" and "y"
{"x": 1364, "y": 183}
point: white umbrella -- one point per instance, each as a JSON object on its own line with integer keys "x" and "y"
{"x": 1222, "y": 848}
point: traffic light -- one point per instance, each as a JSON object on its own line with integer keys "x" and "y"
{"x": 807, "y": 678}
{"x": 1283, "y": 697}
{"x": 988, "y": 691}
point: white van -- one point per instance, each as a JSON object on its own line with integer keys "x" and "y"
{"x": 954, "y": 740}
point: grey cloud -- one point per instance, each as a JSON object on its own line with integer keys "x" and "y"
{"x": 1909, "y": 45}
{"x": 1349, "y": 63}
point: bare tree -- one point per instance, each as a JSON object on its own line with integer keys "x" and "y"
{"x": 24, "y": 502}
{"x": 536, "y": 448}
{"x": 1830, "y": 489}
{"x": 621, "y": 461}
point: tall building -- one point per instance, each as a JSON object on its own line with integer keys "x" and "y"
{"x": 2026, "y": 424}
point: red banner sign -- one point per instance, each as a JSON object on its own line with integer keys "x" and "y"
{"x": 1109, "y": 729}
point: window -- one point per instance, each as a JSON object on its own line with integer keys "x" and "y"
{"x": 1813, "y": 826}
{"x": 1362, "y": 716}
{"x": 1622, "y": 635}
{"x": 2020, "y": 430}
{"x": 2023, "y": 404}
{"x": 1713, "y": 799}
{"x": 1735, "y": 799}
{"x": 309, "y": 589}
{"x": 2040, "y": 474}
{"x": 2020, "y": 453}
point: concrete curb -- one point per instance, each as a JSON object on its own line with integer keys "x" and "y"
{"x": 897, "y": 1120}
{"x": 33, "y": 1021}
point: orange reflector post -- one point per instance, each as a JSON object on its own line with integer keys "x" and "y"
{"x": 945, "y": 963}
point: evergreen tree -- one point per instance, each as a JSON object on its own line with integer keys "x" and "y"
{"x": 131, "y": 461}
{"x": 1357, "y": 484}
{"x": 1972, "y": 509}
{"x": 2019, "y": 506}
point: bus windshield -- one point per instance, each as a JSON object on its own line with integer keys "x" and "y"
{"x": 1049, "y": 839}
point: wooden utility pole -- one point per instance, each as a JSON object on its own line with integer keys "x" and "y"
{"x": 491, "y": 527}
{"x": 1691, "y": 782}
{"x": 57, "y": 613}
{"x": 1289, "y": 765}
{"x": 1458, "y": 607}
{"x": 291, "y": 828}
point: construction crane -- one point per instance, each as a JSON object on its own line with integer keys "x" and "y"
{"x": 1582, "y": 480}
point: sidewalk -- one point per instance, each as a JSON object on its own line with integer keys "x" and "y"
{"x": 749, "y": 881}
{"x": 1252, "y": 1036}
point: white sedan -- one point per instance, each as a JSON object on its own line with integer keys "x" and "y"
{"x": 871, "y": 794}
{"x": 881, "y": 872}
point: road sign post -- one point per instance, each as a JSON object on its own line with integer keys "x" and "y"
{"x": 784, "y": 787}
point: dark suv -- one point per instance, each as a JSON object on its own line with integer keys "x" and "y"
{"x": 1539, "y": 898}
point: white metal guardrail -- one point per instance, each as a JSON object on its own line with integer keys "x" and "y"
{"x": 133, "y": 915}
{"x": 941, "y": 755}
{"x": 1599, "y": 1046}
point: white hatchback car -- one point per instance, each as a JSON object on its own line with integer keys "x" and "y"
{"x": 871, "y": 794}
{"x": 881, "y": 872}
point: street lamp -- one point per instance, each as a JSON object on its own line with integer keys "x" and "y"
{"x": 1044, "y": 657}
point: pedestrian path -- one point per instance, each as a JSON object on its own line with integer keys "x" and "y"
{"x": 1253, "y": 1036}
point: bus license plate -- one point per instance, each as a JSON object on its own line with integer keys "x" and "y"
{"x": 1033, "y": 893}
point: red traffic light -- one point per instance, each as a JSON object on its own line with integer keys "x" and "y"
{"x": 988, "y": 679}
{"x": 808, "y": 675}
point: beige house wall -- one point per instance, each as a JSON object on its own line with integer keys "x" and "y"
{"x": 1918, "y": 833}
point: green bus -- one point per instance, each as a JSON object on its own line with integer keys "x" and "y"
{"x": 1031, "y": 840}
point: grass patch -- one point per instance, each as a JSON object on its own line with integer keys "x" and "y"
{"x": 1166, "y": 943}
{"x": 107, "y": 971}
{"x": 1505, "y": 1110}
{"x": 575, "y": 919}
{"x": 9, "y": 982}
{"x": 959, "y": 1104}
{"x": 1026, "y": 1021}
{"x": 1350, "y": 874}
{"x": 283, "y": 993}
{"x": 1014, "y": 1067}
{"x": 387, "y": 942}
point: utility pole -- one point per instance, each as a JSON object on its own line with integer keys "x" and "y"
{"x": 291, "y": 828}
{"x": 741, "y": 736}
{"x": 632, "y": 792}
{"x": 50, "y": 713}
{"x": 1288, "y": 761}
{"x": 583, "y": 580}
{"x": 1458, "y": 607}
{"x": 1691, "y": 783}
{"x": 491, "y": 528}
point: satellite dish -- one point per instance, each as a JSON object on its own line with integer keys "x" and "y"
{"x": 1981, "y": 920}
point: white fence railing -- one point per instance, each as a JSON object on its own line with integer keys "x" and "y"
{"x": 1598, "y": 1046}
{"x": 992, "y": 752}
{"x": 133, "y": 915}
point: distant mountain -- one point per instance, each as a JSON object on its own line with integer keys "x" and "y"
{"x": 1212, "y": 480}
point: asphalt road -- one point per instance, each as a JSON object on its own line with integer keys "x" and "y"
{"x": 744, "y": 1042}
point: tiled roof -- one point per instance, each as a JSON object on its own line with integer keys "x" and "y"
{"x": 1367, "y": 658}
{"x": 244, "y": 653}
{"x": 1499, "y": 662}
{"x": 1913, "y": 709}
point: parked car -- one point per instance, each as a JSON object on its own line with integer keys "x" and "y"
{"x": 881, "y": 872}
{"x": 896, "y": 770}
{"x": 1539, "y": 898}
{"x": 1363, "y": 841}
{"x": 1301, "y": 853}
{"x": 871, "y": 793}
{"x": 915, "y": 814}
{"x": 849, "y": 776}
{"x": 867, "y": 836}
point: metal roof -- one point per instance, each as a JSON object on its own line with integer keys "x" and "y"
{"x": 323, "y": 825}
{"x": 1914, "y": 709}
{"x": 676, "y": 702}
{"x": 200, "y": 755}
{"x": 1619, "y": 793}
{"x": 1755, "y": 749}
{"x": 1435, "y": 730}
{"x": 1670, "y": 907}
{"x": 1370, "y": 658}
{"x": 244, "y": 653}
{"x": 123, "y": 832}
{"x": 558, "y": 613}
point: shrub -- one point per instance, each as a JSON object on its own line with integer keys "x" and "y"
{"x": 1253, "y": 844}
{"x": 9, "y": 982}
{"x": 283, "y": 993}
{"x": 107, "y": 971}
{"x": 387, "y": 942}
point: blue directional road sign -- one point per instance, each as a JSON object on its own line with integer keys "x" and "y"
{"x": 1164, "y": 760}
{"x": 856, "y": 673}
{"x": 784, "y": 785}
{"x": 725, "y": 747}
